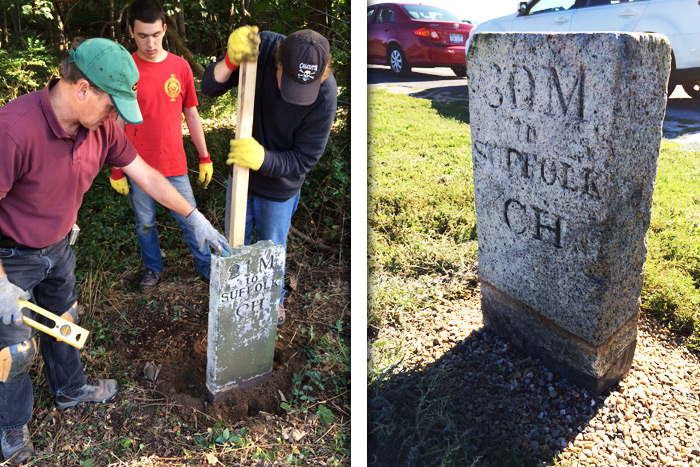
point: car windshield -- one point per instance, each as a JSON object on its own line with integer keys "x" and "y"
{"x": 429, "y": 13}
{"x": 545, "y": 6}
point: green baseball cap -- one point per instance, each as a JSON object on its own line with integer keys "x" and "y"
{"x": 110, "y": 67}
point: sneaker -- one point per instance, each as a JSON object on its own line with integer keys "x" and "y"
{"x": 17, "y": 446}
{"x": 95, "y": 390}
{"x": 149, "y": 279}
{"x": 281, "y": 317}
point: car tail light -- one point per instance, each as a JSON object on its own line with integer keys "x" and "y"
{"x": 428, "y": 33}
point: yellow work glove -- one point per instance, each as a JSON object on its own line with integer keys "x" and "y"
{"x": 246, "y": 152}
{"x": 119, "y": 182}
{"x": 206, "y": 170}
{"x": 242, "y": 46}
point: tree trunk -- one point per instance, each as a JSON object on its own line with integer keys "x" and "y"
{"x": 318, "y": 17}
{"x": 181, "y": 47}
{"x": 5, "y": 33}
{"x": 111, "y": 20}
{"x": 244, "y": 12}
{"x": 118, "y": 33}
{"x": 19, "y": 18}
{"x": 63, "y": 31}
{"x": 180, "y": 19}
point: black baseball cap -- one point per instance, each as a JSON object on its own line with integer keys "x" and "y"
{"x": 304, "y": 57}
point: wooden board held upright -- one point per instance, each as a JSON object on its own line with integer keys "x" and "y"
{"x": 239, "y": 175}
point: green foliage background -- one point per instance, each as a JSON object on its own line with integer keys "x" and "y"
{"x": 31, "y": 49}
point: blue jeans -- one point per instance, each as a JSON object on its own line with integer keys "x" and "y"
{"x": 147, "y": 233}
{"x": 48, "y": 274}
{"x": 271, "y": 220}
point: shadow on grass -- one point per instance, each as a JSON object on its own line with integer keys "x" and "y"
{"x": 482, "y": 404}
{"x": 450, "y": 101}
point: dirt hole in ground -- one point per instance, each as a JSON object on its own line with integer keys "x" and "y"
{"x": 170, "y": 330}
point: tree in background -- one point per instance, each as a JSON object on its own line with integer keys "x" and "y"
{"x": 197, "y": 29}
{"x": 35, "y": 34}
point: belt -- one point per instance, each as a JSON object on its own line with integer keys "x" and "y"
{"x": 7, "y": 242}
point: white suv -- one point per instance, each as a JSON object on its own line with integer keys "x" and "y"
{"x": 679, "y": 20}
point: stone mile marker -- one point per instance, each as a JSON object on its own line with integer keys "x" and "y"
{"x": 245, "y": 288}
{"x": 566, "y": 131}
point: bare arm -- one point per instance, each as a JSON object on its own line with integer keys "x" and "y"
{"x": 157, "y": 186}
{"x": 194, "y": 124}
{"x": 222, "y": 73}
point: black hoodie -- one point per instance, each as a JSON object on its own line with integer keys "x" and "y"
{"x": 294, "y": 136}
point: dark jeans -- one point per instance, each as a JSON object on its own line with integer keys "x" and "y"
{"x": 48, "y": 274}
{"x": 270, "y": 219}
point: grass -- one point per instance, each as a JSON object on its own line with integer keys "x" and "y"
{"x": 422, "y": 251}
{"x": 672, "y": 278}
{"x": 420, "y": 190}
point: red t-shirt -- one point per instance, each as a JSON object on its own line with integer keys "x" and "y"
{"x": 165, "y": 89}
{"x": 44, "y": 171}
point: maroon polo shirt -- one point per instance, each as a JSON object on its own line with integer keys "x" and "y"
{"x": 44, "y": 171}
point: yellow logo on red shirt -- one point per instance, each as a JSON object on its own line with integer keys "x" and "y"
{"x": 172, "y": 87}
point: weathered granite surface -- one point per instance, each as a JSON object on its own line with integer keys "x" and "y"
{"x": 244, "y": 295}
{"x": 566, "y": 131}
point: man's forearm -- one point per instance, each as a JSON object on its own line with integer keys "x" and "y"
{"x": 194, "y": 125}
{"x": 222, "y": 72}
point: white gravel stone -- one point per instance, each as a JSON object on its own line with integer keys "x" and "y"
{"x": 482, "y": 368}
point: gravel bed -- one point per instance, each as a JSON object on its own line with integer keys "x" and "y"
{"x": 650, "y": 418}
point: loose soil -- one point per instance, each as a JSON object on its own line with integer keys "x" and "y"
{"x": 178, "y": 344}
{"x": 170, "y": 420}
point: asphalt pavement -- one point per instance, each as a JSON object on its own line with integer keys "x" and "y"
{"x": 682, "y": 122}
{"x": 418, "y": 79}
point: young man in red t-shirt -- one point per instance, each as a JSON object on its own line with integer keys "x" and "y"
{"x": 166, "y": 92}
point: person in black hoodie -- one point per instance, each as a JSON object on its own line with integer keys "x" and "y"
{"x": 295, "y": 105}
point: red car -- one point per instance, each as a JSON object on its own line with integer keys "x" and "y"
{"x": 404, "y": 35}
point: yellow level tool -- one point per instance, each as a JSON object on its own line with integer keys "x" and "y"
{"x": 63, "y": 330}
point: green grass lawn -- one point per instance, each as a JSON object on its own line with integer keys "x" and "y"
{"x": 422, "y": 249}
{"x": 672, "y": 271}
{"x": 421, "y": 202}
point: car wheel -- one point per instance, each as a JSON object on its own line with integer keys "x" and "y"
{"x": 672, "y": 77}
{"x": 693, "y": 89}
{"x": 671, "y": 87}
{"x": 397, "y": 61}
{"x": 460, "y": 71}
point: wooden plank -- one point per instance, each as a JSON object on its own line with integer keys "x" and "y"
{"x": 239, "y": 176}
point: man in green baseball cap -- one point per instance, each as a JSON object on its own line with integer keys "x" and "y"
{"x": 110, "y": 67}
{"x": 53, "y": 143}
